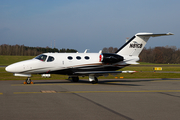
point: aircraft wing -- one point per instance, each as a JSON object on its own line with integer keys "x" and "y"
{"x": 102, "y": 72}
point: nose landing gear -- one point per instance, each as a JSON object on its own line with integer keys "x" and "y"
{"x": 28, "y": 81}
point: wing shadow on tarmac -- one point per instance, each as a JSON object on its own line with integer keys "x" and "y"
{"x": 106, "y": 80}
{"x": 125, "y": 82}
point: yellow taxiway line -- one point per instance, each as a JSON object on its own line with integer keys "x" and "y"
{"x": 49, "y": 84}
{"x": 26, "y": 92}
{"x": 143, "y": 91}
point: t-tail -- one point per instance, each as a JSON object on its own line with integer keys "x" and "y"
{"x": 133, "y": 47}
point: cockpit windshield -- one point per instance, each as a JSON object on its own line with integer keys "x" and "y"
{"x": 41, "y": 57}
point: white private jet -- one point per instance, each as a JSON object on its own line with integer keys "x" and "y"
{"x": 84, "y": 64}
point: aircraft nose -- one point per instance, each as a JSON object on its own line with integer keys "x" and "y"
{"x": 19, "y": 66}
{"x": 7, "y": 68}
{"x": 14, "y": 68}
{"x": 10, "y": 68}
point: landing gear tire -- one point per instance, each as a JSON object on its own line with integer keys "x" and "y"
{"x": 75, "y": 79}
{"x": 28, "y": 80}
{"x": 95, "y": 81}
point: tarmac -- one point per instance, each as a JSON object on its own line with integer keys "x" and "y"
{"x": 117, "y": 99}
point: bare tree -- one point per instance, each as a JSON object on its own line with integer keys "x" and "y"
{"x": 105, "y": 50}
{"x": 110, "y": 49}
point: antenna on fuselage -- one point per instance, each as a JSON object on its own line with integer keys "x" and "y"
{"x": 86, "y": 50}
{"x": 127, "y": 39}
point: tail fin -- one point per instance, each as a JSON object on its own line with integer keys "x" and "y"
{"x": 135, "y": 45}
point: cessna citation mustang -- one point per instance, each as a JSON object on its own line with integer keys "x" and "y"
{"x": 84, "y": 64}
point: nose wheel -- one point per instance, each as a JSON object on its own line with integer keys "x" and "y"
{"x": 28, "y": 81}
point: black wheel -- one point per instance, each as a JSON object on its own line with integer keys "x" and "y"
{"x": 75, "y": 79}
{"x": 28, "y": 81}
{"x": 96, "y": 79}
{"x": 93, "y": 82}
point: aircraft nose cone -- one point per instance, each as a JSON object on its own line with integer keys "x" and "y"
{"x": 14, "y": 68}
{"x": 7, "y": 69}
{"x": 10, "y": 68}
{"x": 18, "y": 67}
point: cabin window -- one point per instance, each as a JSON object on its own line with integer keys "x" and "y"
{"x": 41, "y": 57}
{"x": 50, "y": 59}
{"x": 70, "y": 58}
{"x": 78, "y": 57}
{"x": 86, "y": 57}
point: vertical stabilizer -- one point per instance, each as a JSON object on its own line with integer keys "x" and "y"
{"x": 134, "y": 46}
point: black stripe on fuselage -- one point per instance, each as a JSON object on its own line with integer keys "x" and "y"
{"x": 71, "y": 71}
{"x": 125, "y": 44}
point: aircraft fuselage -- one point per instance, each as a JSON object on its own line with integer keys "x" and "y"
{"x": 63, "y": 63}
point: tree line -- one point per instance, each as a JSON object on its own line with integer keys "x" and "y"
{"x": 22, "y": 50}
{"x": 109, "y": 50}
{"x": 162, "y": 55}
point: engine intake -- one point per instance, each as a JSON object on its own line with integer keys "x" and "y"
{"x": 110, "y": 58}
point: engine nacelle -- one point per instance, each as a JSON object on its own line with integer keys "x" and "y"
{"x": 110, "y": 58}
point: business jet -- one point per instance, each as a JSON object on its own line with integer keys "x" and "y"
{"x": 84, "y": 64}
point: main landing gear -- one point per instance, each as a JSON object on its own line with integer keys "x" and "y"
{"x": 93, "y": 79}
{"x": 75, "y": 79}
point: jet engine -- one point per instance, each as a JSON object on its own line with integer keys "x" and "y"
{"x": 110, "y": 58}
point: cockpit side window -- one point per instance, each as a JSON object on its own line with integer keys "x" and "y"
{"x": 50, "y": 59}
{"x": 41, "y": 57}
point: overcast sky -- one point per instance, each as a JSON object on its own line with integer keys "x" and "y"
{"x": 87, "y": 24}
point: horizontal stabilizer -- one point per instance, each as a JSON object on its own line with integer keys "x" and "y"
{"x": 153, "y": 35}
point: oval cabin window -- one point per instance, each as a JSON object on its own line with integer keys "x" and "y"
{"x": 78, "y": 57}
{"x": 70, "y": 58}
{"x": 86, "y": 57}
